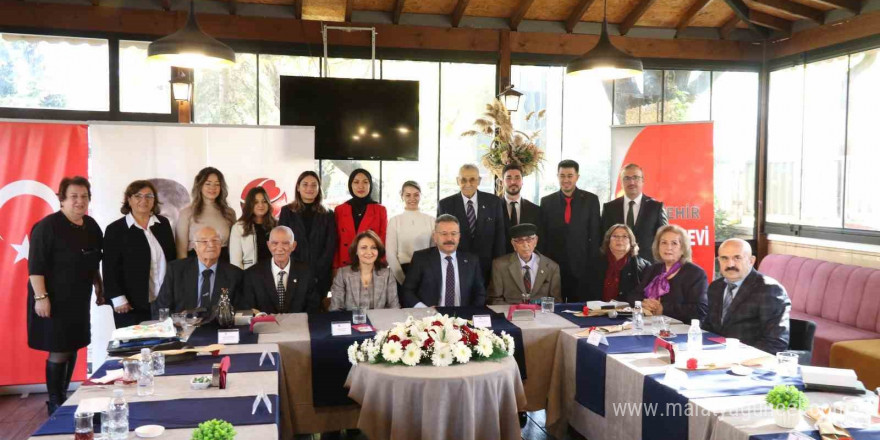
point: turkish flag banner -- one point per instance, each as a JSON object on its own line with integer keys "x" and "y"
{"x": 35, "y": 157}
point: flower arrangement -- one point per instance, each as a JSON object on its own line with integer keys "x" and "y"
{"x": 508, "y": 145}
{"x": 438, "y": 340}
{"x": 783, "y": 397}
{"x": 214, "y": 430}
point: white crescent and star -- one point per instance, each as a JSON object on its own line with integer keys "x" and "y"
{"x": 25, "y": 188}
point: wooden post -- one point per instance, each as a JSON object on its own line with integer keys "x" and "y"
{"x": 761, "y": 166}
{"x": 184, "y": 112}
{"x": 503, "y": 60}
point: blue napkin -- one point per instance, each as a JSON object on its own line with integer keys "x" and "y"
{"x": 857, "y": 434}
{"x": 241, "y": 363}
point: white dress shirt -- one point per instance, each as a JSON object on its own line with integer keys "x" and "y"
{"x": 276, "y": 270}
{"x": 636, "y": 207}
{"x": 474, "y": 199}
{"x": 157, "y": 260}
{"x": 518, "y": 201}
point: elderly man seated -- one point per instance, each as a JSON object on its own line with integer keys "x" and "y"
{"x": 524, "y": 274}
{"x": 279, "y": 284}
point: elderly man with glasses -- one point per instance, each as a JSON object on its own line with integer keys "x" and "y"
{"x": 524, "y": 275}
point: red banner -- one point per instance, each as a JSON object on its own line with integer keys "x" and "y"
{"x": 678, "y": 163}
{"x": 35, "y": 159}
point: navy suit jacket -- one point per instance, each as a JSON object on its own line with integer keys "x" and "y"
{"x": 757, "y": 316}
{"x": 652, "y": 216}
{"x": 488, "y": 241}
{"x": 528, "y": 213}
{"x": 424, "y": 281}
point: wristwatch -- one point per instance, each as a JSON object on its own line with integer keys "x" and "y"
{"x": 39, "y": 297}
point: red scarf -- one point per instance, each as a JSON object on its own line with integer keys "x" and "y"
{"x": 612, "y": 277}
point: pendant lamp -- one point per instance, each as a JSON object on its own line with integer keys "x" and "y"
{"x": 604, "y": 61}
{"x": 191, "y": 48}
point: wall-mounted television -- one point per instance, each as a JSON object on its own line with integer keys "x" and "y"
{"x": 362, "y": 119}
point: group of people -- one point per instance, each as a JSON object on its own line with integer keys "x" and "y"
{"x": 479, "y": 249}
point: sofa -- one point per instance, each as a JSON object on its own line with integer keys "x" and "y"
{"x": 843, "y": 300}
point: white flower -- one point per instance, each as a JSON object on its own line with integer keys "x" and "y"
{"x": 484, "y": 347}
{"x": 442, "y": 357}
{"x": 452, "y": 335}
{"x": 360, "y": 356}
{"x": 352, "y": 356}
{"x": 399, "y": 331}
{"x": 460, "y": 321}
{"x": 380, "y": 336}
{"x": 461, "y": 352}
{"x": 509, "y": 341}
{"x": 392, "y": 351}
{"x": 412, "y": 355}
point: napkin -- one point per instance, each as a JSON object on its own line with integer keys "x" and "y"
{"x": 265, "y": 318}
{"x": 829, "y": 431}
{"x": 214, "y": 349}
{"x": 513, "y": 307}
{"x": 224, "y": 368}
{"x": 110, "y": 377}
{"x": 605, "y": 329}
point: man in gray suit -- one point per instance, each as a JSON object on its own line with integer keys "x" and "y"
{"x": 747, "y": 304}
{"x": 524, "y": 275}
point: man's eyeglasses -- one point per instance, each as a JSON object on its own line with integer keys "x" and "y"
{"x": 521, "y": 240}
{"x": 629, "y": 179}
{"x": 213, "y": 242}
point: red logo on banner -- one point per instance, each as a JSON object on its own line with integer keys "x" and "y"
{"x": 277, "y": 196}
{"x": 35, "y": 159}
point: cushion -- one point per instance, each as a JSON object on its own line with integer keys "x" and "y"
{"x": 861, "y": 356}
{"x": 827, "y": 333}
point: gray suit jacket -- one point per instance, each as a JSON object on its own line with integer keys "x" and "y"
{"x": 507, "y": 285}
{"x": 758, "y": 315}
{"x": 348, "y": 291}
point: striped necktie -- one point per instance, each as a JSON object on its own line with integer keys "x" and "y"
{"x": 471, "y": 217}
{"x": 728, "y": 298}
{"x": 449, "y": 296}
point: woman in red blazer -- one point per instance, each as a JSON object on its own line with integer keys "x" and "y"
{"x": 358, "y": 215}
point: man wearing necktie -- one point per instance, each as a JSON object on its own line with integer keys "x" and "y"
{"x": 746, "y": 304}
{"x": 279, "y": 284}
{"x": 643, "y": 214}
{"x": 196, "y": 282}
{"x": 524, "y": 274}
{"x": 518, "y": 209}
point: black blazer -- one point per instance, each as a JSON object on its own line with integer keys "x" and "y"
{"x": 631, "y": 275}
{"x": 488, "y": 241}
{"x": 757, "y": 316}
{"x": 180, "y": 290}
{"x": 575, "y": 246}
{"x": 528, "y": 213}
{"x": 299, "y": 297}
{"x": 126, "y": 265}
{"x": 686, "y": 299}
{"x": 424, "y": 281}
{"x": 316, "y": 248}
{"x": 652, "y": 216}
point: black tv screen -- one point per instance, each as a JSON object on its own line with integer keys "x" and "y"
{"x": 362, "y": 119}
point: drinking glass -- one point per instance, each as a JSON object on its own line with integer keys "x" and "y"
{"x": 787, "y": 363}
{"x": 547, "y": 304}
{"x": 158, "y": 363}
{"x": 856, "y": 412}
{"x": 83, "y": 429}
{"x": 359, "y": 315}
{"x": 163, "y": 313}
{"x": 130, "y": 370}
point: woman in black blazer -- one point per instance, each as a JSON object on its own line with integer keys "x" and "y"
{"x": 620, "y": 268}
{"x": 674, "y": 286}
{"x": 137, "y": 249}
{"x": 314, "y": 230}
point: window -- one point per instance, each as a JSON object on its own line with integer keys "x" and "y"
{"x": 227, "y": 96}
{"x": 272, "y": 67}
{"x": 586, "y": 137}
{"x": 638, "y": 100}
{"x": 784, "y": 135}
{"x": 45, "y": 72}
{"x": 143, "y": 85}
{"x": 351, "y": 68}
{"x": 686, "y": 97}
{"x": 862, "y": 205}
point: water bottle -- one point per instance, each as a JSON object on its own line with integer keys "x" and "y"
{"x": 145, "y": 379}
{"x": 117, "y": 413}
{"x": 638, "y": 318}
{"x": 695, "y": 337}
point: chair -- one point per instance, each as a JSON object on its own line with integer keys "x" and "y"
{"x": 800, "y": 339}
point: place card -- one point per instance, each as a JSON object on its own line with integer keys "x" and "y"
{"x": 340, "y": 328}
{"x": 675, "y": 378}
{"x": 660, "y": 344}
{"x": 227, "y": 336}
{"x": 596, "y": 337}
{"x": 482, "y": 321}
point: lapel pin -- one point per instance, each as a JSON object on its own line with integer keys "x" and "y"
{"x": 465, "y": 261}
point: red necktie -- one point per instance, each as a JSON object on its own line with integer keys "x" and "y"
{"x": 567, "y": 210}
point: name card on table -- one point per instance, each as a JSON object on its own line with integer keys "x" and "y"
{"x": 596, "y": 337}
{"x": 675, "y": 378}
{"x": 482, "y": 321}
{"x": 340, "y": 328}
{"x": 227, "y": 336}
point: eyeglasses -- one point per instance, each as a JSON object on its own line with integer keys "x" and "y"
{"x": 629, "y": 179}
{"x": 620, "y": 237}
{"x": 470, "y": 180}
{"x": 213, "y": 242}
{"x": 147, "y": 197}
{"x": 521, "y": 240}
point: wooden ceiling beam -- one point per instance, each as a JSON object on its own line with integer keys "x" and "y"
{"x": 728, "y": 27}
{"x": 690, "y": 14}
{"x": 348, "y": 10}
{"x": 576, "y": 14}
{"x": 795, "y": 9}
{"x": 397, "y": 11}
{"x": 458, "y": 12}
{"x": 770, "y": 21}
{"x": 634, "y": 16}
{"x": 520, "y": 13}
{"x": 839, "y": 32}
{"x": 298, "y": 9}
{"x": 854, "y": 6}
{"x": 742, "y": 12}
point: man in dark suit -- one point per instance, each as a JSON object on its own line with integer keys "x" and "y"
{"x": 747, "y": 304}
{"x": 197, "y": 282}
{"x": 480, "y": 215}
{"x": 570, "y": 233}
{"x": 445, "y": 275}
{"x": 280, "y": 285}
{"x": 642, "y": 214}
{"x": 517, "y": 210}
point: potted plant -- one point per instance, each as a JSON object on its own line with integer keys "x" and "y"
{"x": 214, "y": 430}
{"x": 788, "y": 404}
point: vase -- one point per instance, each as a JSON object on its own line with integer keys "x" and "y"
{"x": 787, "y": 418}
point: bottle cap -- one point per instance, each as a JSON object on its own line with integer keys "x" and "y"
{"x": 695, "y": 322}
{"x": 638, "y": 303}
{"x": 145, "y": 353}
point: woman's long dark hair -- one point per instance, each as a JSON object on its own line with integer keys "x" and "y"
{"x": 297, "y": 205}
{"x": 248, "y": 217}
{"x": 198, "y": 202}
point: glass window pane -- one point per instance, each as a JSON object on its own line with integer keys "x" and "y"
{"x": 687, "y": 96}
{"x": 637, "y": 100}
{"x": 863, "y": 144}
{"x": 824, "y": 137}
{"x": 735, "y": 115}
{"x": 334, "y": 179}
{"x": 542, "y": 88}
{"x": 423, "y": 171}
{"x": 227, "y": 96}
{"x": 350, "y": 68}
{"x": 67, "y": 73}
{"x": 587, "y": 134}
{"x": 465, "y": 91}
{"x": 143, "y": 85}
{"x": 272, "y": 67}
{"x": 784, "y": 145}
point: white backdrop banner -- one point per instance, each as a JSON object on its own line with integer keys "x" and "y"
{"x": 170, "y": 155}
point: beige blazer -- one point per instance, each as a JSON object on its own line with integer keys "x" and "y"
{"x": 506, "y": 286}
{"x": 348, "y": 292}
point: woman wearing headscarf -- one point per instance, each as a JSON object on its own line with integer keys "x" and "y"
{"x": 360, "y": 213}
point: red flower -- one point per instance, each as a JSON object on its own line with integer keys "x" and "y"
{"x": 692, "y": 364}
{"x": 428, "y": 342}
{"x": 437, "y": 323}
{"x": 405, "y": 342}
{"x": 394, "y": 338}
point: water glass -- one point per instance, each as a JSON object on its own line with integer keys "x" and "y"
{"x": 163, "y": 313}
{"x": 787, "y": 363}
{"x": 158, "y": 363}
{"x": 179, "y": 319}
{"x": 547, "y": 304}
{"x": 359, "y": 316}
{"x": 856, "y": 412}
{"x": 103, "y": 420}
{"x": 83, "y": 429}
{"x": 130, "y": 370}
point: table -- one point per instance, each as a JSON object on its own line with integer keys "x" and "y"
{"x": 478, "y": 400}
{"x": 169, "y": 388}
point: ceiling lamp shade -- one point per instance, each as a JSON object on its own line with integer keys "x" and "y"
{"x": 604, "y": 61}
{"x": 191, "y": 48}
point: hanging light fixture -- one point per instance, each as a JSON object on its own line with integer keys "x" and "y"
{"x": 181, "y": 84}
{"x": 604, "y": 61}
{"x": 190, "y": 47}
{"x": 510, "y": 97}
